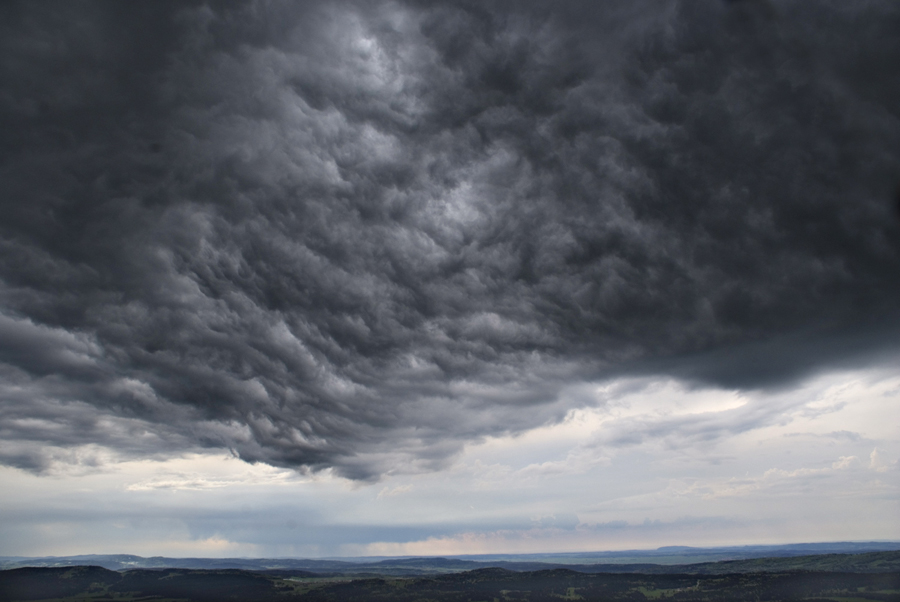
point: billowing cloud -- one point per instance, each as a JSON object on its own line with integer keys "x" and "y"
{"x": 357, "y": 236}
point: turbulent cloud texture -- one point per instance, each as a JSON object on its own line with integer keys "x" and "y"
{"x": 358, "y": 235}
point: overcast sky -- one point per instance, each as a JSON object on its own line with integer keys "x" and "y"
{"x": 329, "y": 278}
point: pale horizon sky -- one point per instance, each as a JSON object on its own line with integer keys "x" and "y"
{"x": 447, "y": 277}
{"x": 600, "y": 479}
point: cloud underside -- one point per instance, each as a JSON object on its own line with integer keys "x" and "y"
{"x": 357, "y": 236}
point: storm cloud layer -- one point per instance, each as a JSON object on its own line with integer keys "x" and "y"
{"x": 358, "y": 235}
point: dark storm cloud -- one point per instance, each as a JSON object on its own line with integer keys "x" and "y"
{"x": 359, "y": 235}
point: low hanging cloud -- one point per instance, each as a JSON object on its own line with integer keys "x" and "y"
{"x": 359, "y": 235}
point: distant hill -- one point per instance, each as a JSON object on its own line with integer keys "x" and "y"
{"x": 849, "y": 557}
{"x": 689, "y": 555}
{"x": 96, "y": 584}
{"x": 868, "y": 562}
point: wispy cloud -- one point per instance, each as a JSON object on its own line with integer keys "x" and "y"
{"x": 391, "y": 492}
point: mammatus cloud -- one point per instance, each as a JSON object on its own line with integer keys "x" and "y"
{"x": 356, "y": 236}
